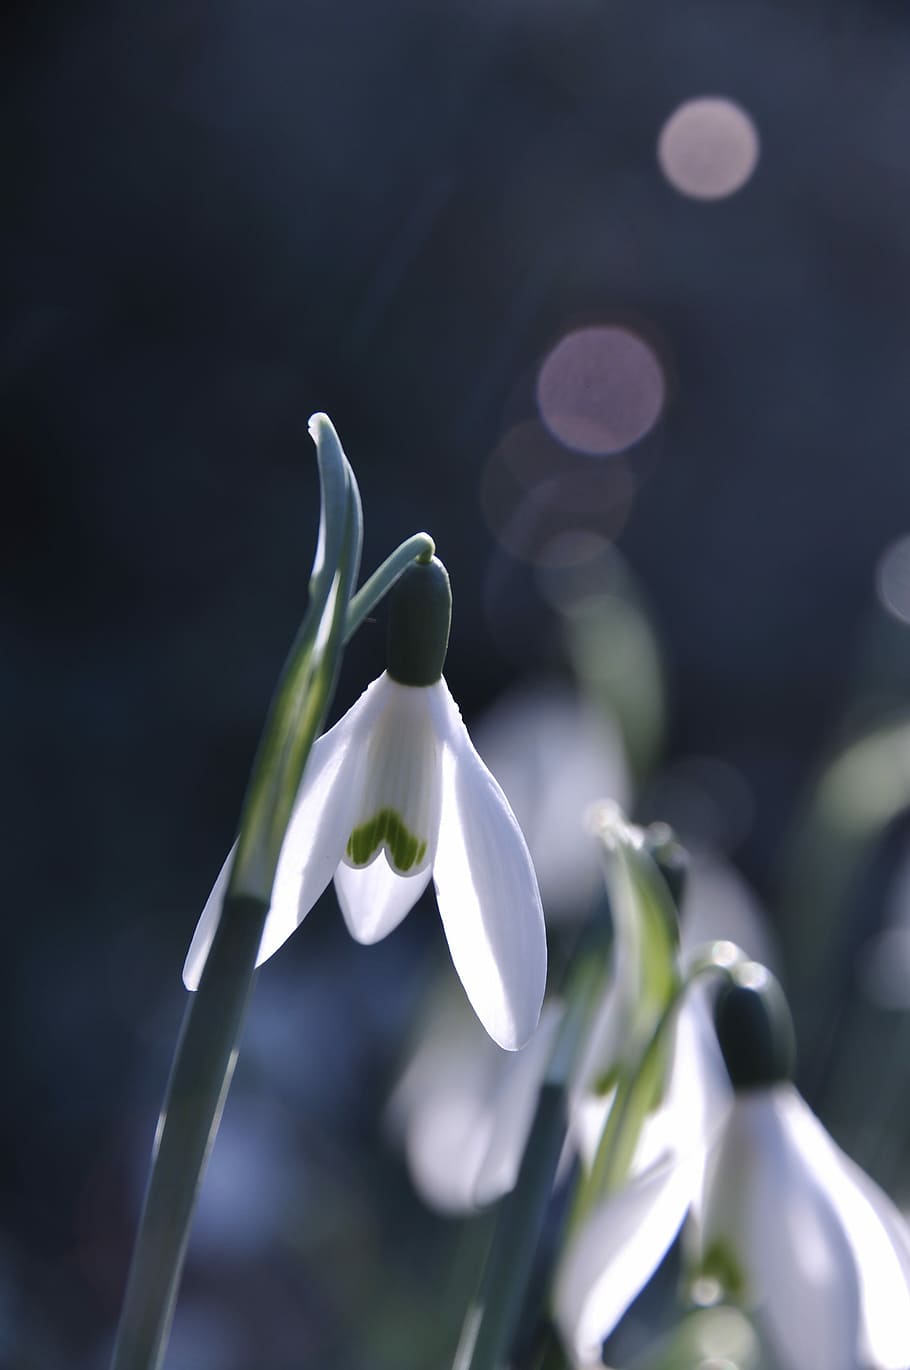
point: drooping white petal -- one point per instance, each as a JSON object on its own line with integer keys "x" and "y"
{"x": 321, "y": 820}
{"x": 554, "y": 756}
{"x": 487, "y": 891}
{"x": 766, "y": 1211}
{"x": 697, "y": 1095}
{"x": 513, "y": 1106}
{"x": 617, "y": 1250}
{"x": 878, "y": 1235}
{"x": 374, "y": 898}
{"x": 205, "y": 929}
{"x": 316, "y": 835}
{"x": 445, "y": 1145}
{"x": 442, "y": 1107}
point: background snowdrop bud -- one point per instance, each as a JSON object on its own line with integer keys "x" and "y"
{"x": 671, "y": 859}
{"x": 754, "y": 1028}
{"x": 420, "y": 615}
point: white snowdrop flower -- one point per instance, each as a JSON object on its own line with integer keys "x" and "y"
{"x": 395, "y": 794}
{"x": 622, "y": 1241}
{"x": 554, "y": 756}
{"x": 463, "y": 1108}
{"x": 786, "y": 1223}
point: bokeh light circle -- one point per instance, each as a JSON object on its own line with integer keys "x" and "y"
{"x": 708, "y": 148}
{"x": 600, "y": 389}
{"x": 893, "y": 579}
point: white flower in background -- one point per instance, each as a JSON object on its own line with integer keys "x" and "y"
{"x": 463, "y": 1109}
{"x": 782, "y": 1222}
{"x": 622, "y": 1241}
{"x": 786, "y": 1223}
{"x": 395, "y": 793}
{"x": 795, "y": 1230}
{"x": 555, "y": 756}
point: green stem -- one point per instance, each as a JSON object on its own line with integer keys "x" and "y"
{"x": 205, "y": 1055}
{"x": 420, "y": 547}
{"x": 548, "y": 1354}
{"x": 302, "y": 697}
{"x": 490, "y": 1324}
{"x": 198, "y": 1086}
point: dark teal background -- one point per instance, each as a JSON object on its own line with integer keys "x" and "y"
{"x": 218, "y": 218}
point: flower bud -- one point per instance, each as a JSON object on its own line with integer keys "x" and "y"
{"x": 670, "y": 857}
{"x": 420, "y": 613}
{"x": 754, "y": 1028}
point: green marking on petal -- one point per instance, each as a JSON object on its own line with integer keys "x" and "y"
{"x": 387, "y": 829}
{"x": 720, "y": 1264}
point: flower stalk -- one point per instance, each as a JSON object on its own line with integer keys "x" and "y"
{"x": 207, "y": 1048}
{"x": 492, "y": 1318}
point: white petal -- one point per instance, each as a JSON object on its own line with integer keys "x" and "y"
{"x": 205, "y": 928}
{"x": 513, "y": 1107}
{"x": 445, "y": 1145}
{"x": 374, "y": 898}
{"x": 319, "y": 827}
{"x": 321, "y": 820}
{"x": 879, "y": 1239}
{"x": 553, "y": 757}
{"x": 397, "y": 809}
{"x": 617, "y": 1250}
{"x": 443, "y": 1105}
{"x": 766, "y": 1207}
{"x": 487, "y": 892}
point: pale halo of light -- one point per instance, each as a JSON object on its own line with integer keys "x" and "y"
{"x": 708, "y": 148}
{"x": 547, "y": 506}
{"x": 572, "y": 547}
{"x": 884, "y": 969}
{"x": 600, "y": 389}
{"x": 750, "y": 975}
{"x": 892, "y": 579}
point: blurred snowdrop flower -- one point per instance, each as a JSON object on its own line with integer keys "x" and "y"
{"x": 643, "y": 971}
{"x": 463, "y": 1108}
{"x": 623, "y": 1239}
{"x": 555, "y": 756}
{"x": 650, "y": 1091}
{"x": 396, "y": 793}
{"x": 786, "y": 1223}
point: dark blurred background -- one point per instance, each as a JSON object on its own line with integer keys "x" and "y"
{"x": 547, "y": 323}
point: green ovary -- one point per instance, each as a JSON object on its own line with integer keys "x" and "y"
{"x": 720, "y": 1264}
{"x": 387, "y": 829}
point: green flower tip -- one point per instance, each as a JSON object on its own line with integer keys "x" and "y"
{"x": 420, "y": 614}
{"x": 754, "y": 1028}
{"x": 670, "y": 857}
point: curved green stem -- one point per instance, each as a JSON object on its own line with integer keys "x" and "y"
{"x": 207, "y": 1049}
{"x": 420, "y": 547}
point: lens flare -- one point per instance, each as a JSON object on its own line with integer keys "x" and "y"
{"x": 708, "y": 148}
{"x": 600, "y": 390}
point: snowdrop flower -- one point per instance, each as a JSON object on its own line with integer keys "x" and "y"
{"x": 463, "y": 1108}
{"x": 786, "y": 1223}
{"x": 395, "y": 793}
{"x": 624, "y": 1238}
{"x": 555, "y": 755}
{"x": 640, "y": 1188}
{"x": 781, "y": 1220}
